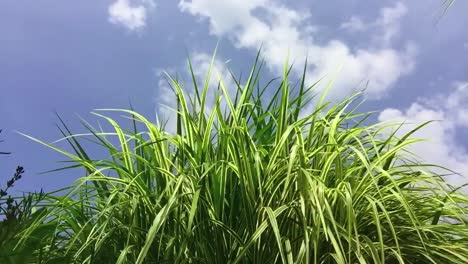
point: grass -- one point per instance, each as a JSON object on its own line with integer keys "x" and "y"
{"x": 251, "y": 182}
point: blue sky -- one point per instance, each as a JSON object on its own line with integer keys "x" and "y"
{"x": 76, "y": 57}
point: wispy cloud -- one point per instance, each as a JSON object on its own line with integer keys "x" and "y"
{"x": 355, "y": 24}
{"x": 387, "y": 25}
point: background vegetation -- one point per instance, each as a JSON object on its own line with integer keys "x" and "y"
{"x": 247, "y": 180}
{"x": 16, "y": 215}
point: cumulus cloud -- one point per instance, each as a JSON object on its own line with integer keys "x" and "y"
{"x": 130, "y": 14}
{"x": 450, "y": 113}
{"x": 280, "y": 29}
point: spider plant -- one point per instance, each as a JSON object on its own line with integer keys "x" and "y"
{"x": 248, "y": 180}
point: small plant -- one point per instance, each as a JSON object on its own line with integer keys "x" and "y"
{"x": 17, "y": 214}
{"x": 11, "y": 211}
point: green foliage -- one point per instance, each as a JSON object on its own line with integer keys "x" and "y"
{"x": 14, "y": 247}
{"x": 16, "y": 215}
{"x": 257, "y": 182}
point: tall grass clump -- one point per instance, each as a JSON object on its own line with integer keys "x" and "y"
{"x": 250, "y": 181}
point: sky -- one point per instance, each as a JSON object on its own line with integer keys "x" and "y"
{"x": 74, "y": 57}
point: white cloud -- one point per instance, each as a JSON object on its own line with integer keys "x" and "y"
{"x": 284, "y": 29}
{"x": 224, "y": 16}
{"x": 131, "y": 16}
{"x": 442, "y": 148}
{"x": 355, "y": 24}
{"x": 389, "y": 21}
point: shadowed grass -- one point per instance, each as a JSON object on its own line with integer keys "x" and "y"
{"x": 253, "y": 182}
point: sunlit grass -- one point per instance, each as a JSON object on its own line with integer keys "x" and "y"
{"x": 258, "y": 182}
